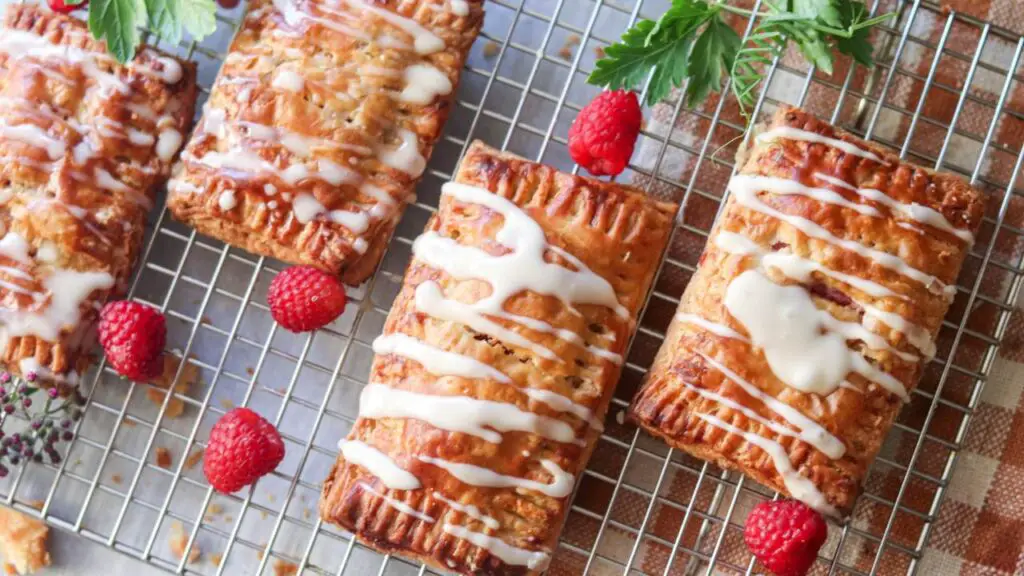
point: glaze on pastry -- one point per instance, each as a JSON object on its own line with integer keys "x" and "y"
{"x": 813, "y": 311}
{"x": 84, "y": 142}
{"x": 496, "y": 366}
{"x": 320, "y": 125}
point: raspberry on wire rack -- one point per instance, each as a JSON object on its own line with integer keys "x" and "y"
{"x": 785, "y": 535}
{"x": 243, "y": 447}
{"x": 602, "y": 137}
{"x": 303, "y": 298}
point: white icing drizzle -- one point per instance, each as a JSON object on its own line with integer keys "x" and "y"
{"x": 301, "y": 145}
{"x": 810, "y": 431}
{"x": 713, "y": 327}
{"x": 460, "y": 414}
{"x": 459, "y": 7}
{"x": 787, "y": 187}
{"x": 288, "y": 80}
{"x": 745, "y": 189}
{"x": 34, "y": 136}
{"x": 790, "y": 133}
{"x": 424, "y": 41}
{"x": 509, "y": 554}
{"x": 435, "y": 360}
{"x": 227, "y": 201}
{"x": 379, "y": 464}
{"x": 800, "y": 487}
{"x": 560, "y": 486}
{"x": 397, "y": 504}
{"x": 430, "y": 300}
{"x": 168, "y": 143}
{"x": 68, "y": 290}
{"x": 469, "y": 510}
{"x": 294, "y": 16}
{"x": 18, "y": 45}
{"x": 423, "y": 83}
{"x": 15, "y": 247}
{"x": 524, "y": 268}
{"x": 805, "y": 347}
{"x": 406, "y": 157}
{"x": 916, "y": 212}
{"x": 797, "y": 268}
{"x": 444, "y": 363}
{"x": 801, "y": 268}
{"x": 810, "y": 438}
{"x": 918, "y": 336}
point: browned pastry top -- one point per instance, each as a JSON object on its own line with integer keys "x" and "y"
{"x": 83, "y": 143}
{"x": 319, "y": 126}
{"x": 497, "y": 364}
{"x": 851, "y": 242}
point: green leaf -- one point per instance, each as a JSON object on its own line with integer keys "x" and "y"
{"x": 198, "y": 17}
{"x": 714, "y": 51}
{"x": 858, "y": 45}
{"x": 114, "y": 21}
{"x": 827, "y": 11}
{"x": 164, "y": 19}
{"x": 662, "y": 47}
{"x": 671, "y": 73}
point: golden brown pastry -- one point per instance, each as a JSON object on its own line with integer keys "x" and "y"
{"x": 23, "y": 541}
{"x": 496, "y": 366}
{"x": 813, "y": 312}
{"x": 84, "y": 142}
{"x": 320, "y": 125}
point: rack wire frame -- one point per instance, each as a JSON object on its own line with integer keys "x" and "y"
{"x": 628, "y": 465}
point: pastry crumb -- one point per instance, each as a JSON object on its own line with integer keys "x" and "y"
{"x": 307, "y": 513}
{"x": 22, "y": 542}
{"x": 194, "y": 459}
{"x": 263, "y": 514}
{"x": 126, "y": 421}
{"x": 179, "y": 540}
{"x": 37, "y": 504}
{"x": 216, "y": 559}
{"x": 599, "y": 51}
{"x": 285, "y": 568}
{"x": 227, "y": 404}
{"x": 215, "y": 509}
{"x": 490, "y": 49}
{"x": 229, "y": 518}
{"x": 163, "y": 458}
{"x": 249, "y": 370}
{"x": 157, "y": 392}
{"x": 260, "y": 554}
{"x": 116, "y": 479}
{"x": 571, "y": 41}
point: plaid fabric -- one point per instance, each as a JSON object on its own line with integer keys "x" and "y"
{"x": 978, "y": 525}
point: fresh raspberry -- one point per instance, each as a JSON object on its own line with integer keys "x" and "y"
{"x": 303, "y": 298}
{"x": 63, "y": 7}
{"x": 243, "y": 447}
{"x": 133, "y": 336}
{"x": 785, "y": 535}
{"x": 601, "y": 138}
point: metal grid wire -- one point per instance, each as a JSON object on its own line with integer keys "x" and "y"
{"x": 522, "y": 87}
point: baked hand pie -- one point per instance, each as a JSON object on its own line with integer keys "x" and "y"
{"x": 496, "y": 366}
{"x": 84, "y": 143}
{"x": 813, "y": 312}
{"x": 320, "y": 125}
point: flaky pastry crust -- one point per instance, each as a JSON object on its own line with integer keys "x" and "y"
{"x": 306, "y": 83}
{"x": 23, "y": 541}
{"x": 670, "y": 402}
{"x": 619, "y": 234}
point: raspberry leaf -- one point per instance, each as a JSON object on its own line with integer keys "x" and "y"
{"x": 118, "y": 22}
{"x": 692, "y": 44}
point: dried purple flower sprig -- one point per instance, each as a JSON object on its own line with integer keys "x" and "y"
{"x": 49, "y": 419}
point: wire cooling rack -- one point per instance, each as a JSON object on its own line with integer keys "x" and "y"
{"x": 943, "y": 94}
